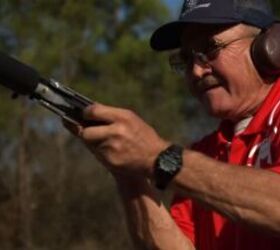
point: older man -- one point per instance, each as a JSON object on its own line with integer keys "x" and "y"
{"x": 227, "y": 185}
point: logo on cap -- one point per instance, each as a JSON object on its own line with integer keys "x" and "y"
{"x": 190, "y": 5}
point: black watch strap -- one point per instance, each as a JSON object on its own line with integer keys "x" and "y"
{"x": 167, "y": 165}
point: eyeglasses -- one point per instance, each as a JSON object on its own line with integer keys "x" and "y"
{"x": 181, "y": 61}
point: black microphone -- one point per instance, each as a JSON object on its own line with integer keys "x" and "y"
{"x": 24, "y": 80}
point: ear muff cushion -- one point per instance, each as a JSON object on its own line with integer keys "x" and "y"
{"x": 265, "y": 51}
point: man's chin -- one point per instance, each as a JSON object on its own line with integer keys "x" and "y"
{"x": 217, "y": 111}
{"x": 216, "y": 114}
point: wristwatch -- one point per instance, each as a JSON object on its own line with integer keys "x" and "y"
{"x": 167, "y": 165}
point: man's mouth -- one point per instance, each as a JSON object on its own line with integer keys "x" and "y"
{"x": 207, "y": 88}
{"x": 206, "y": 84}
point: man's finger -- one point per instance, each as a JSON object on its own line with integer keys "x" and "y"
{"x": 73, "y": 128}
{"x": 100, "y": 112}
{"x": 96, "y": 133}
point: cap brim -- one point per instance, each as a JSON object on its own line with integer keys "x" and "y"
{"x": 168, "y": 36}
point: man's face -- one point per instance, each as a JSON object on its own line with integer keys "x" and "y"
{"x": 226, "y": 82}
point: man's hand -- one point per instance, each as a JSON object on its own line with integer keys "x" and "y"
{"x": 125, "y": 145}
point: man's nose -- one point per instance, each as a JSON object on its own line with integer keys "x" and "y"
{"x": 200, "y": 69}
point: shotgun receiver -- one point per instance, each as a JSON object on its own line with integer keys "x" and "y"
{"x": 25, "y": 80}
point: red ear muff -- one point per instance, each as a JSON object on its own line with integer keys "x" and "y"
{"x": 265, "y": 51}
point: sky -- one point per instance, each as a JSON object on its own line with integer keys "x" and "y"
{"x": 175, "y": 6}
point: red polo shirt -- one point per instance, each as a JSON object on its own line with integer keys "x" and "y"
{"x": 258, "y": 146}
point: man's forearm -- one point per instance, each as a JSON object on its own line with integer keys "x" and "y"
{"x": 247, "y": 195}
{"x": 150, "y": 224}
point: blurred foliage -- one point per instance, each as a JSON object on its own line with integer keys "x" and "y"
{"x": 101, "y": 49}
{"x": 276, "y": 6}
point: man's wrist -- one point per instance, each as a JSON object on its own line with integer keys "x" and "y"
{"x": 150, "y": 166}
{"x": 167, "y": 165}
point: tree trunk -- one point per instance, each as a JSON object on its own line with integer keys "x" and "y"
{"x": 24, "y": 213}
{"x": 61, "y": 197}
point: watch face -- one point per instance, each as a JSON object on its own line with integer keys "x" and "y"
{"x": 168, "y": 164}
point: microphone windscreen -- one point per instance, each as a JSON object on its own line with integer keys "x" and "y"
{"x": 17, "y": 76}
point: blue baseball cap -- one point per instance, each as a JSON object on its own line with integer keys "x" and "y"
{"x": 257, "y": 13}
